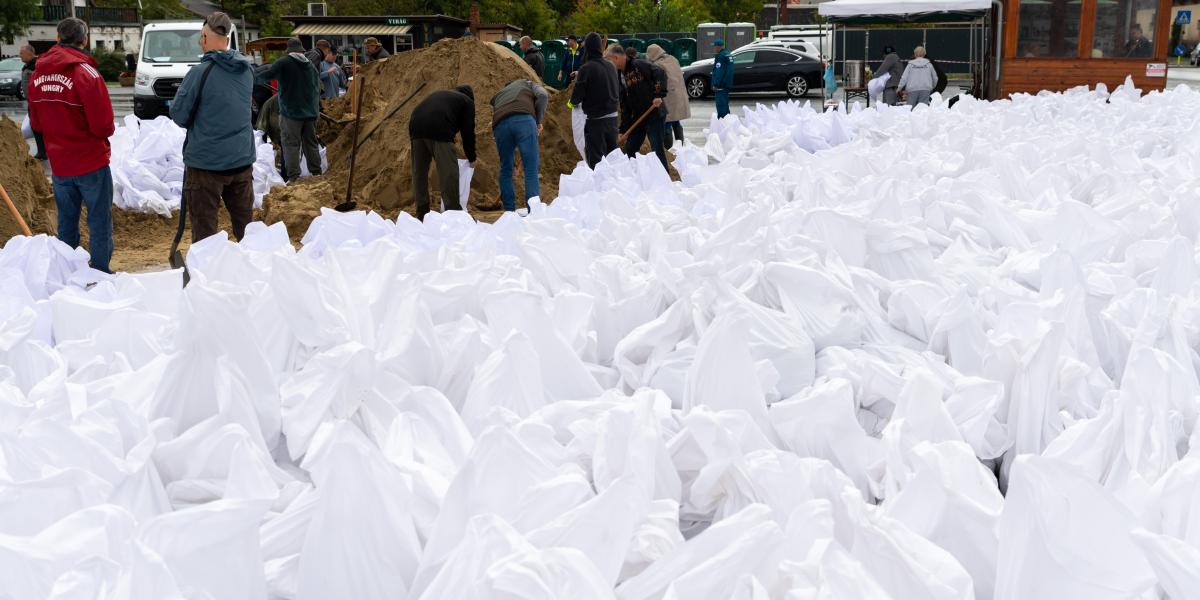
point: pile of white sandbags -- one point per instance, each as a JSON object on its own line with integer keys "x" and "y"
{"x": 147, "y": 166}
{"x": 951, "y": 356}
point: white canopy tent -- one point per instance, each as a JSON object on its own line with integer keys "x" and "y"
{"x": 871, "y": 8}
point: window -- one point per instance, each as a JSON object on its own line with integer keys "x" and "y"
{"x": 1048, "y": 29}
{"x": 1124, "y": 29}
{"x": 118, "y": 45}
{"x": 99, "y": 44}
{"x": 743, "y": 58}
{"x": 773, "y": 57}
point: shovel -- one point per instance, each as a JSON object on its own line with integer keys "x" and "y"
{"x": 350, "y": 204}
{"x": 624, "y": 136}
{"x": 176, "y": 257}
{"x": 15, "y": 213}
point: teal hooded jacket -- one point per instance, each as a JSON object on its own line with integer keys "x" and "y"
{"x": 221, "y": 137}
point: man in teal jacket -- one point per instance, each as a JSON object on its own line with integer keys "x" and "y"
{"x": 213, "y": 104}
{"x": 299, "y": 105}
{"x": 722, "y": 78}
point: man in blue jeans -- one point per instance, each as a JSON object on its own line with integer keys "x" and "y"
{"x": 69, "y": 106}
{"x": 517, "y": 113}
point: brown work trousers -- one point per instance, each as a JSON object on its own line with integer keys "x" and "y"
{"x": 203, "y": 191}
{"x": 444, "y": 156}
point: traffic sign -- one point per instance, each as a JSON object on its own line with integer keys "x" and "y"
{"x": 1183, "y": 17}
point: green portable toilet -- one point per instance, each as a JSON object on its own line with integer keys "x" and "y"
{"x": 685, "y": 51}
{"x": 639, "y": 45}
{"x": 554, "y": 51}
{"x": 667, "y": 45}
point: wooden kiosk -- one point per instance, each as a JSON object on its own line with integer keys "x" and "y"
{"x": 1035, "y": 45}
{"x": 1059, "y": 44}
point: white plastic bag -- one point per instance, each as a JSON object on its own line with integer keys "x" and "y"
{"x": 578, "y": 123}
{"x": 875, "y": 85}
{"x": 465, "y": 172}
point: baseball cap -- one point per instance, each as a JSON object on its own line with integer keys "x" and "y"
{"x": 719, "y": 42}
{"x": 219, "y": 23}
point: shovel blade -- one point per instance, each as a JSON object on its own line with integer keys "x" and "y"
{"x": 346, "y": 206}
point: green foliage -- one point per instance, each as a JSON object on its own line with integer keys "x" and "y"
{"x": 733, "y": 11}
{"x": 631, "y": 16}
{"x": 534, "y": 17}
{"x": 109, "y": 63}
{"x": 15, "y": 16}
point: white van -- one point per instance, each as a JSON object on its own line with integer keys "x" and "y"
{"x": 169, "y": 49}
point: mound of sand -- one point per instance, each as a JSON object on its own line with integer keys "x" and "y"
{"x": 383, "y": 172}
{"x": 25, "y": 182}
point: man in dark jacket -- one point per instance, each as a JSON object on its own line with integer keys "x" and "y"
{"x": 572, "y": 59}
{"x": 721, "y": 78}
{"x": 517, "y": 113}
{"x": 299, "y": 105}
{"x": 431, "y": 128}
{"x": 374, "y": 50}
{"x": 29, "y": 57}
{"x": 645, "y": 90}
{"x": 894, "y": 67}
{"x": 533, "y": 56}
{"x": 596, "y": 89}
{"x": 69, "y": 105}
{"x": 213, "y": 104}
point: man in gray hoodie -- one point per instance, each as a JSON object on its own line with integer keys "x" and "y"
{"x": 213, "y": 104}
{"x": 919, "y": 78}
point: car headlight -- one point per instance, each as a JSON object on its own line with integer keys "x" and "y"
{"x": 7, "y": 80}
{"x": 142, "y": 79}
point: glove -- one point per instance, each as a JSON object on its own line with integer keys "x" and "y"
{"x": 570, "y": 106}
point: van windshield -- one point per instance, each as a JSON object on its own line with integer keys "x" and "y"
{"x": 177, "y": 46}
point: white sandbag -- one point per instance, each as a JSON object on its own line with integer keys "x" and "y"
{"x": 465, "y": 172}
{"x": 26, "y": 128}
{"x": 1063, "y": 536}
{"x": 578, "y": 123}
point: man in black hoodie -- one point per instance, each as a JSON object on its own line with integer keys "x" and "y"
{"x": 533, "y": 56}
{"x": 597, "y": 89}
{"x": 645, "y": 90}
{"x": 432, "y": 127}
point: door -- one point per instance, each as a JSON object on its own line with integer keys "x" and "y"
{"x": 771, "y": 69}
{"x": 743, "y": 71}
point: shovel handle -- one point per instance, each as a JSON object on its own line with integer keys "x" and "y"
{"x": 625, "y": 136}
{"x": 15, "y": 213}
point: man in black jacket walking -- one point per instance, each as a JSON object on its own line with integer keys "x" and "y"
{"x": 533, "y": 56}
{"x": 645, "y": 90}
{"x": 432, "y": 127}
{"x": 597, "y": 89}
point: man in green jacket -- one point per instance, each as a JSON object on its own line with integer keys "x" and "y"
{"x": 299, "y": 106}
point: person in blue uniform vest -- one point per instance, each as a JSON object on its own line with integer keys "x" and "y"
{"x": 722, "y": 78}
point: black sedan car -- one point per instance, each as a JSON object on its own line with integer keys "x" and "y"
{"x": 759, "y": 69}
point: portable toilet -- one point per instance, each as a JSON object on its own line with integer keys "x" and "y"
{"x": 636, "y": 44}
{"x": 738, "y": 35}
{"x": 706, "y": 34}
{"x": 685, "y": 51}
{"x": 554, "y": 51}
{"x": 664, "y": 43}
{"x": 505, "y": 43}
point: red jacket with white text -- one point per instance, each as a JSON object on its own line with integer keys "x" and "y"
{"x": 69, "y": 106}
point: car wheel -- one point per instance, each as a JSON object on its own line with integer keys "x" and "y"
{"x": 797, "y": 86}
{"x": 697, "y": 87}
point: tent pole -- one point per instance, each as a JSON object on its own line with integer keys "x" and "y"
{"x": 999, "y": 33}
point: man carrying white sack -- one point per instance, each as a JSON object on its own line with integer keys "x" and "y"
{"x": 213, "y": 105}
{"x": 596, "y": 90}
{"x": 517, "y": 113}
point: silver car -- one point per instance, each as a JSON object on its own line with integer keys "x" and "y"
{"x": 10, "y": 77}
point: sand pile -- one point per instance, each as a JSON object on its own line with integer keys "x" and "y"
{"x": 383, "y": 173}
{"x": 25, "y": 182}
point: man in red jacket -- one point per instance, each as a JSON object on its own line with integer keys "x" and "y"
{"x": 69, "y": 106}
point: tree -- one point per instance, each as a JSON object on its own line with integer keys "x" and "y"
{"x": 534, "y": 17}
{"x": 733, "y": 11}
{"x": 629, "y": 16}
{"x": 15, "y": 16}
